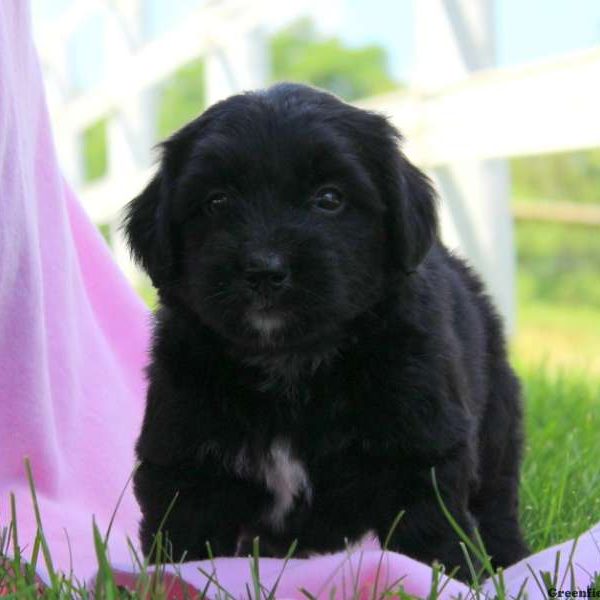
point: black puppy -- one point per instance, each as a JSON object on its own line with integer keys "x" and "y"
{"x": 317, "y": 350}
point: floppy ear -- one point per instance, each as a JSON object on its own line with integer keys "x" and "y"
{"x": 147, "y": 231}
{"x": 408, "y": 195}
{"x": 147, "y": 222}
{"x": 412, "y": 214}
{"x": 406, "y": 192}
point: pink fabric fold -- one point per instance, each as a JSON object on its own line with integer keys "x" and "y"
{"x": 73, "y": 334}
{"x": 73, "y": 343}
{"x": 367, "y": 572}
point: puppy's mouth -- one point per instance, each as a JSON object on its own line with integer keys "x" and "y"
{"x": 265, "y": 321}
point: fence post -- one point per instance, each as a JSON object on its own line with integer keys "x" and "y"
{"x": 132, "y": 124}
{"x": 453, "y": 39}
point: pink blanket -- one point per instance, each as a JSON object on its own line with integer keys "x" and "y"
{"x": 73, "y": 339}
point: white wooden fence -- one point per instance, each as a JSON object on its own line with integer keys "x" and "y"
{"x": 462, "y": 117}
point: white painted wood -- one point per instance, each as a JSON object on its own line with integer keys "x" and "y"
{"x": 131, "y": 126}
{"x": 207, "y": 28}
{"x": 453, "y": 39}
{"x": 461, "y": 116}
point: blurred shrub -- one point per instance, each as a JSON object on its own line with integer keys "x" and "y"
{"x": 299, "y": 53}
{"x": 104, "y": 229}
{"x": 559, "y": 264}
{"x": 95, "y": 150}
{"x": 567, "y": 177}
{"x": 181, "y": 97}
{"x": 148, "y": 293}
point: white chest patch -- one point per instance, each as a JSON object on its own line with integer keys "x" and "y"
{"x": 284, "y": 475}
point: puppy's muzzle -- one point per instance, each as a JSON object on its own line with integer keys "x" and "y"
{"x": 266, "y": 272}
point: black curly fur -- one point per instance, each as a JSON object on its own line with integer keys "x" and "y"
{"x": 379, "y": 358}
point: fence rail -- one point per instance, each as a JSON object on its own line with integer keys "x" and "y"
{"x": 568, "y": 213}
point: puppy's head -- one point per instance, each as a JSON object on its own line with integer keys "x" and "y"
{"x": 278, "y": 216}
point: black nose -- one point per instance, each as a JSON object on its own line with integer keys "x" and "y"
{"x": 265, "y": 270}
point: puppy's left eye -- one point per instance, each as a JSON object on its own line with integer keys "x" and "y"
{"x": 328, "y": 199}
{"x": 216, "y": 202}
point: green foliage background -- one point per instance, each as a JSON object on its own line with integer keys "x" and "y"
{"x": 180, "y": 98}
{"x": 559, "y": 265}
{"x": 566, "y": 177}
{"x": 300, "y": 54}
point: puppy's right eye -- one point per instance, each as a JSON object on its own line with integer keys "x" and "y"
{"x": 216, "y": 202}
{"x": 328, "y": 199}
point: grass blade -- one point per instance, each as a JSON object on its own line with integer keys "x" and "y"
{"x": 38, "y": 519}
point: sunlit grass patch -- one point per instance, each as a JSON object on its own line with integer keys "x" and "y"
{"x": 559, "y": 498}
{"x": 561, "y": 480}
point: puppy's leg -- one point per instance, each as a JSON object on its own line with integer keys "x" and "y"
{"x": 424, "y": 532}
{"x": 496, "y": 503}
{"x": 205, "y": 508}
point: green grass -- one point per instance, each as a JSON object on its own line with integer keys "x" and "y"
{"x": 558, "y": 296}
{"x": 557, "y": 348}
{"x": 559, "y": 495}
{"x": 561, "y": 479}
{"x": 562, "y": 339}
